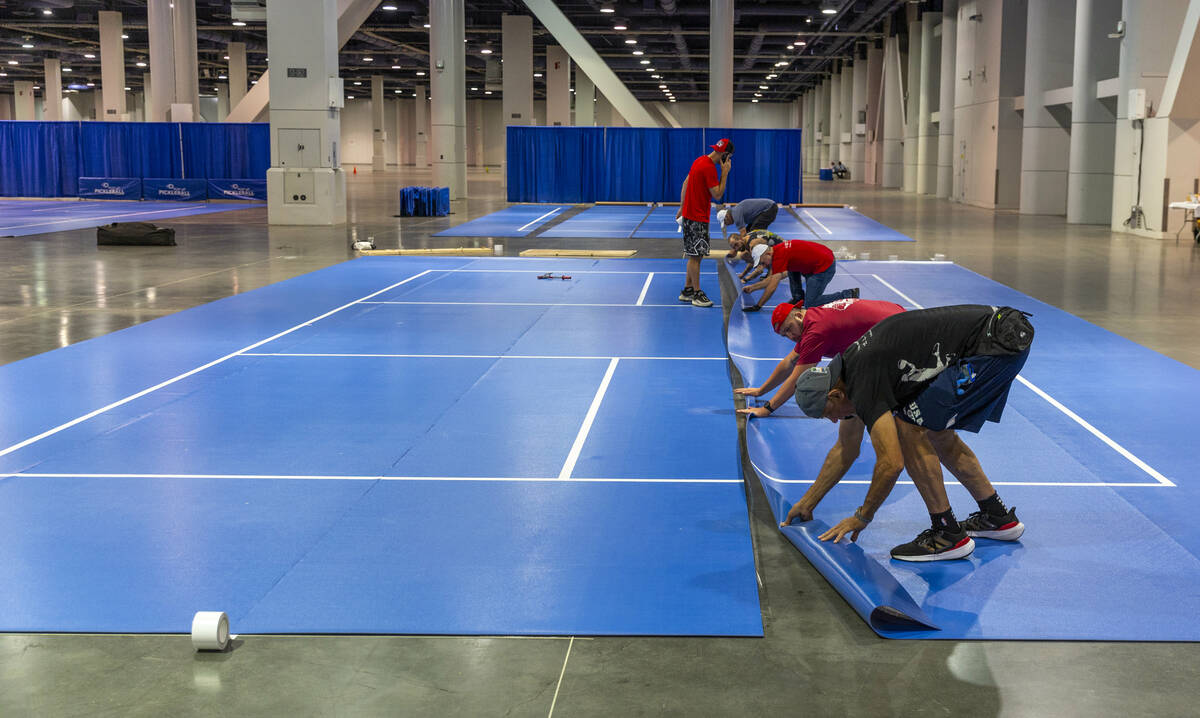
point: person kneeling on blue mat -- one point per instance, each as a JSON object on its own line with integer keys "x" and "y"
{"x": 914, "y": 379}
{"x": 810, "y": 267}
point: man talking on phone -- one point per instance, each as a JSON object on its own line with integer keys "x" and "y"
{"x": 701, "y": 187}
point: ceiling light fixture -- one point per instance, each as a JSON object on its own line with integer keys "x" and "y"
{"x": 90, "y": 56}
{"x": 47, "y": 11}
{"x": 27, "y": 45}
{"x": 537, "y": 74}
{"x": 656, "y": 77}
{"x": 139, "y": 63}
{"x": 620, "y": 26}
{"x": 758, "y": 94}
{"x": 368, "y": 59}
{"x": 487, "y": 92}
{"x": 420, "y": 73}
{"x": 754, "y": 100}
{"x": 827, "y": 8}
{"x": 426, "y": 24}
{"x": 791, "y": 47}
{"x": 66, "y": 69}
{"x": 631, "y": 41}
{"x": 91, "y": 84}
{"x": 13, "y": 62}
{"x": 486, "y": 51}
{"x": 474, "y": 89}
{"x": 802, "y": 43}
{"x": 397, "y": 91}
{"x": 644, "y": 62}
{"x": 357, "y": 82}
{"x": 124, "y": 37}
{"x": 349, "y": 97}
{"x": 397, "y": 67}
{"x": 763, "y": 87}
{"x": 607, "y": 8}
{"x": 638, "y": 52}
{"x": 389, "y": 8}
{"x": 239, "y": 23}
{"x": 662, "y": 87}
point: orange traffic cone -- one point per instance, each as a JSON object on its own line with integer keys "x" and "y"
{"x": 355, "y": 170}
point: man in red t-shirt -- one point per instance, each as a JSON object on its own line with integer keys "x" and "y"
{"x": 810, "y": 267}
{"x": 699, "y": 189}
{"x": 823, "y": 331}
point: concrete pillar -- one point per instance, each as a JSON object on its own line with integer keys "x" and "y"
{"x": 222, "y": 101}
{"x": 945, "y": 152}
{"x": 585, "y": 100}
{"x": 112, "y": 66}
{"x": 858, "y": 119}
{"x": 912, "y": 95}
{"x": 52, "y": 90}
{"x": 162, "y": 60}
{"x": 1046, "y": 137}
{"x": 305, "y": 184}
{"x": 846, "y": 124}
{"x": 835, "y": 114}
{"x": 873, "y": 159}
{"x": 420, "y": 123}
{"x": 720, "y": 63}
{"x": 460, "y": 105}
{"x": 927, "y": 137}
{"x": 558, "y": 86}
{"x": 147, "y": 95}
{"x": 893, "y": 115}
{"x": 237, "y": 72}
{"x": 517, "y": 72}
{"x": 1093, "y": 126}
{"x": 378, "y": 133}
{"x": 23, "y": 105}
{"x": 477, "y": 132}
{"x": 187, "y": 79}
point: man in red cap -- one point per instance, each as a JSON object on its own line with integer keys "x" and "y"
{"x": 701, "y": 187}
{"x": 823, "y": 331}
{"x": 810, "y": 268}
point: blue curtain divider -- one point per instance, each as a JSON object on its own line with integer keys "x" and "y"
{"x": 644, "y": 164}
{"x": 46, "y": 159}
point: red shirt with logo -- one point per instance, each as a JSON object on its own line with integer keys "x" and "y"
{"x": 797, "y": 255}
{"x": 830, "y": 328}
{"x": 702, "y": 177}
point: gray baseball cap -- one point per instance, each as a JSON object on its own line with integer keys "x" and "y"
{"x": 813, "y": 386}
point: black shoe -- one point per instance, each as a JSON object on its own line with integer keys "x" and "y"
{"x": 686, "y": 294}
{"x": 854, "y": 293}
{"x": 700, "y": 299}
{"x": 1005, "y": 527}
{"x": 935, "y": 545}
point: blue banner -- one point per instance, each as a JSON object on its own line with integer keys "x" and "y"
{"x": 178, "y": 190}
{"x": 110, "y": 187}
{"x": 237, "y": 189}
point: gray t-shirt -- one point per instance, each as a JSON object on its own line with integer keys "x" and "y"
{"x": 745, "y": 211}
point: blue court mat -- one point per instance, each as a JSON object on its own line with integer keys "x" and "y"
{"x": 517, "y": 221}
{"x": 842, "y": 224}
{"x": 364, "y": 450}
{"x": 603, "y": 221}
{"x": 1110, "y": 550}
{"x": 19, "y": 218}
{"x": 661, "y": 224}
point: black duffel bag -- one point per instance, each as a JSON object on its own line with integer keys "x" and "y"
{"x": 140, "y": 234}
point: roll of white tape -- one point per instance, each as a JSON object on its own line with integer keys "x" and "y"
{"x": 210, "y": 631}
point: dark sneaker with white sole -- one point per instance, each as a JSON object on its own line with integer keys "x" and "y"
{"x": 687, "y": 294}
{"x": 700, "y": 299}
{"x": 1005, "y": 527}
{"x": 935, "y": 545}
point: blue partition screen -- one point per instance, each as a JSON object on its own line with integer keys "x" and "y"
{"x": 46, "y": 159}
{"x": 644, "y": 164}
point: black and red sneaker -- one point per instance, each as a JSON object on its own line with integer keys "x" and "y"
{"x": 1005, "y": 527}
{"x": 936, "y": 545}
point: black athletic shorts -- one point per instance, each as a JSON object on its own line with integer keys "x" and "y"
{"x": 695, "y": 238}
{"x": 764, "y": 218}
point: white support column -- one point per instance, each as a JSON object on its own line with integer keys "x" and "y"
{"x": 858, "y": 119}
{"x": 52, "y": 90}
{"x": 23, "y": 105}
{"x": 237, "y": 72}
{"x": 873, "y": 161}
{"x": 930, "y": 86}
{"x": 459, "y": 187}
{"x": 517, "y": 70}
{"x": 112, "y": 67}
{"x": 477, "y": 132}
{"x": 162, "y": 60}
{"x": 585, "y": 100}
{"x": 720, "y": 63}
{"x": 912, "y": 90}
{"x": 378, "y": 133}
{"x": 558, "y": 86}
{"x": 835, "y": 115}
{"x": 1093, "y": 126}
{"x": 147, "y": 95}
{"x": 846, "y": 124}
{"x": 420, "y": 125}
{"x": 305, "y": 184}
{"x": 945, "y": 151}
{"x": 1046, "y": 136}
{"x": 893, "y": 115}
{"x": 187, "y": 79}
{"x": 810, "y": 131}
{"x": 222, "y": 101}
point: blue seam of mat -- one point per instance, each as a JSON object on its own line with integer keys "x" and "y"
{"x": 649, "y": 211}
{"x": 807, "y": 226}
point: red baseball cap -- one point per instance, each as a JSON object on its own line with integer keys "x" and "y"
{"x": 781, "y": 312}
{"x": 723, "y": 145}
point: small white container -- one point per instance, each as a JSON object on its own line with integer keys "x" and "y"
{"x": 498, "y": 249}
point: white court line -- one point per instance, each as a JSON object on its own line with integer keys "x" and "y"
{"x": 1083, "y": 484}
{"x": 540, "y": 304}
{"x": 810, "y": 216}
{"x": 1157, "y": 476}
{"x": 556, "y": 209}
{"x": 743, "y": 356}
{"x": 89, "y": 219}
{"x": 561, "y": 673}
{"x": 334, "y": 477}
{"x": 172, "y": 380}
{"x": 477, "y": 356}
{"x": 646, "y": 288}
{"x": 569, "y": 464}
{"x": 573, "y": 271}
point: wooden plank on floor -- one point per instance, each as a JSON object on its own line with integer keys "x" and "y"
{"x": 578, "y": 252}
{"x": 456, "y": 251}
{"x": 818, "y": 204}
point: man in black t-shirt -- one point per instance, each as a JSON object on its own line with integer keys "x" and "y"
{"x": 937, "y": 370}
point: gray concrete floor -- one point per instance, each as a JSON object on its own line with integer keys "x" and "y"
{"x": 817, "y": 657}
